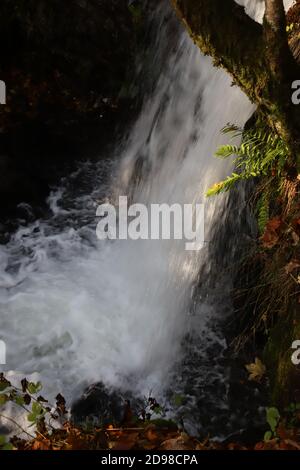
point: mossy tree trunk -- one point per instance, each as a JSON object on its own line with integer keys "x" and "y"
{"x": 257, "y": 57}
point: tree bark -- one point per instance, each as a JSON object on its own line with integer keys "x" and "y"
{"x": 278, "y": 54}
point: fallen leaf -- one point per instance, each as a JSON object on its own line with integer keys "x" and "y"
{"x": 291, "y": 266}
{"x": 126, "y": 442}
{"x": 256, "y": 370}
{"x": 41, "y": 445}
{"x": 295, "y": 238}
{"x": 270, "y": 237}
{"x": 274, "y": 224}
{"x": 292, "y": 443}
{"x": 182, "y": 442}
{"x": 176, "y": 444}
{"x": 259, "y": 446}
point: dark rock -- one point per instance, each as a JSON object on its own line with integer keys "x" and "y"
{"x": 102, "y": 406}
{"x": 64, "y": 65}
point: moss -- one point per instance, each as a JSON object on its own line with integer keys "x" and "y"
{"x": 284, "y": 375}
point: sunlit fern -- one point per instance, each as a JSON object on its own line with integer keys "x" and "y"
{"x": 259, "y": 154}
{"x": 263, "y": 211}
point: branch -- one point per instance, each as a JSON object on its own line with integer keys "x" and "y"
{"x": 224, "y": 31}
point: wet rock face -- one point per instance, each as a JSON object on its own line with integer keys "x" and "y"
{"x": 101, "y": 406}
{"x": 96, "y": 404}
{"x": 64, "y": 65}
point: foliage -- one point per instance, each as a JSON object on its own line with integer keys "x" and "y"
{"x": 259, "y": 154}
{"x": 290, "y": 28}
{"x": 292, "y": 414}
{"x": 257, "y": 370}
{"x": 134, "y": 433}
{"x": 284, "y": 427}
{"x": 273, "y": 418}
{"x": 39, "y": 413}
{"x": 263, "y": 212}
{"x": 136, "y": 13}
{"x": 4, "y": 445}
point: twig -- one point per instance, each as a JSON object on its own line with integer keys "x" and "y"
{"x": 16, "y": 424}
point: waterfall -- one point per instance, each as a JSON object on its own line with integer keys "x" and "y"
{"x": 78, "y": 310}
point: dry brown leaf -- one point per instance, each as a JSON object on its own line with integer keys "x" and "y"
{"x": 274, "y": 224}
{"x": 256, "y": 370}
{"x": 270, "y": 237}
{"x": 295, "y": 238}
{"x": 126, "y": 442}
{"x": 151, "y": 434}
{"x": 146, "y": 445}
{"x": 41, "y": 444}
{"x": 291, "y": 266}
{"x": 182, "y": 442}
{"x": 292, "y": 443}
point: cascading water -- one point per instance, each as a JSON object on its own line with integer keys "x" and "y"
{"x": 78, "y": 310}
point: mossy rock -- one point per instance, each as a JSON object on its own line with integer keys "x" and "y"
{"x": 284, "y": 375}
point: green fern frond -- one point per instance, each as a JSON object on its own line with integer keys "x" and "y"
{"x": 263, "y": 212}
{"x": 232, "y": 129}
{"x": 258, "y": 154}
{"x": 224, "y": 186}
{"x": 226, "y": 151}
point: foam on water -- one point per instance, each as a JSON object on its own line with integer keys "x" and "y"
{"x": 78, "y": 310}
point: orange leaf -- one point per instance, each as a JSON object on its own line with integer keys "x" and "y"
{"x": 127, "y": 442}
{"x": 269, "y": 239}
{"x": 274, "y": 224}
{"x": 41, "y": 445}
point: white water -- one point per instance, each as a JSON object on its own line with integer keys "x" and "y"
{"x": 255, "y": 8}
{"x": 77, "y": 310}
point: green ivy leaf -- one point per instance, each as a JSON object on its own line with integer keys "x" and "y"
{"x": 4, "y": 445}
{"x": 37, "y": 412}
{"x": 34, "y": 388}
{"x": 158, "y": 410}
{"x": 273, "y": 417}
{"x": 37, "y": 408}
{"x": 31, "y": 417}
{"x": 3, "y": 399}
{"x": 19, "y": 400}
{"x": 4, "y": 384}
{"x": 268, "y": 436}
{"x": 8, "y": 446}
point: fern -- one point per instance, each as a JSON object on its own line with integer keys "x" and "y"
{"x": 259, "y": 153}
{"x": 223, "y": 185}
{"x": 263, "y": 212}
